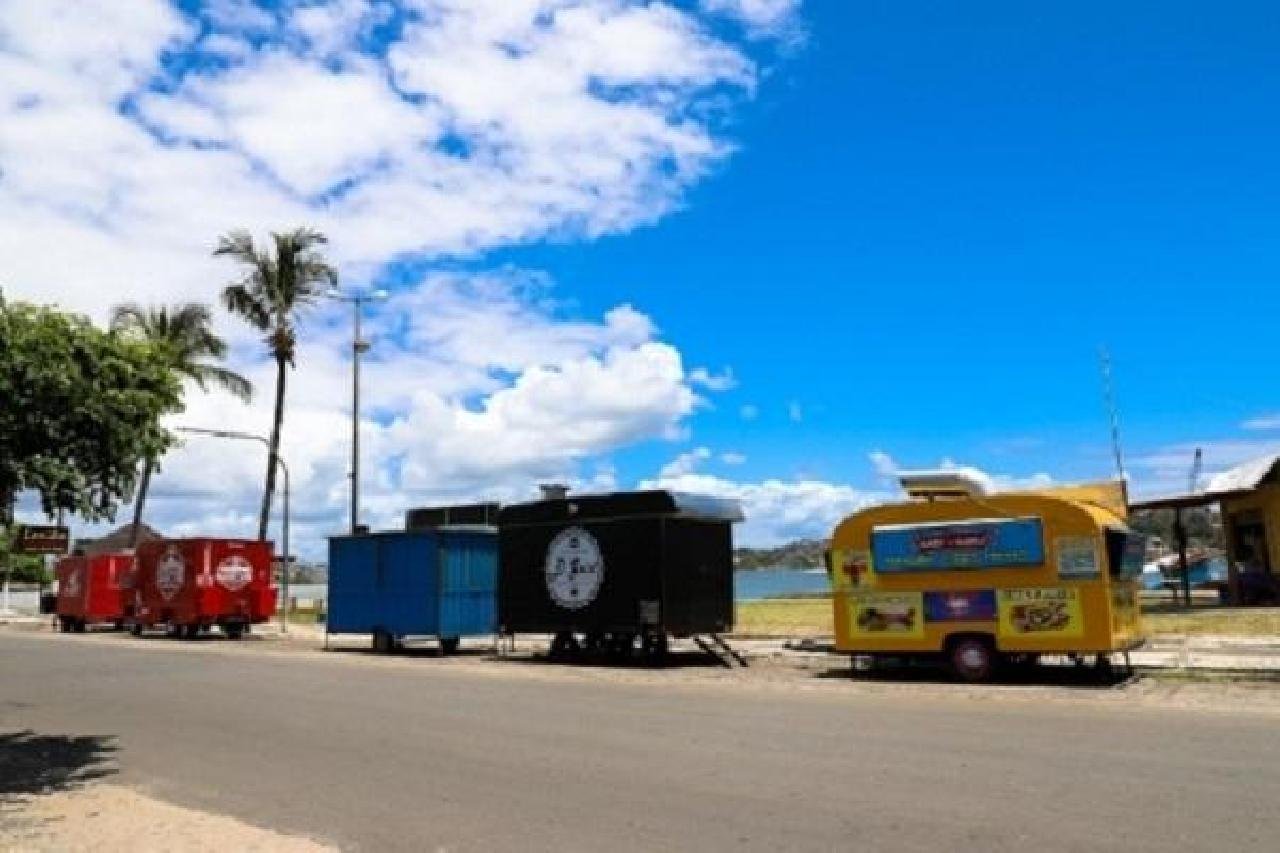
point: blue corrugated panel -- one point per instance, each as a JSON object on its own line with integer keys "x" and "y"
{"x": 415, "y": 583}
{"x": 469, "y": 583}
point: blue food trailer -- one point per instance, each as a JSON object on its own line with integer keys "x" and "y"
{"x": 439, "y": 583}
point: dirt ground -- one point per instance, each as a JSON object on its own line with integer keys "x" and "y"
{"x": 111, "y": 817}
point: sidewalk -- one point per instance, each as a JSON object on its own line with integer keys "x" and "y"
{"x": 1206, "y": 654}
{"x": 1203, "y": 653}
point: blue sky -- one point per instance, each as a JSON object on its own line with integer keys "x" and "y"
{"x": 938, "y": 215}
{"x": 767, "y": 249}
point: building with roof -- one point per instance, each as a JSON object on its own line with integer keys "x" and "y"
{"x": 115, "y": 541}
{"x": 1248, "y": 497}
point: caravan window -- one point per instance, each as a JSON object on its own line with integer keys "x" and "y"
{"x": 1126, "y": 552}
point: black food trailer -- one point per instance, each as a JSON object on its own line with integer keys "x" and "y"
{"x": 617, "y": 573}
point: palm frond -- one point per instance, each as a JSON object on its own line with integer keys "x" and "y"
{"x": 129, "y": 317}
{"x": 228, "y": 380}
{"x": 245, "y": 301}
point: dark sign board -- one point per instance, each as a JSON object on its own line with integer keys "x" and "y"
{"x": 42, "y": 539}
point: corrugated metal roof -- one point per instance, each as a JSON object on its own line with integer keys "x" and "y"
{"x": 1242, "y": 478}
{"x": 1250, "y": 475}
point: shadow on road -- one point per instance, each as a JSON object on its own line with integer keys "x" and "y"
{"x": 43, "y": 764}
{"x": 1049, "y": 675}
{"x": 675, "y": 659}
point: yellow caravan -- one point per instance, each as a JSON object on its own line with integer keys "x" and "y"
{"x": 983, "y": 578}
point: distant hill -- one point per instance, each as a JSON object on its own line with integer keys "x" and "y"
{"x": 801, "y": 554}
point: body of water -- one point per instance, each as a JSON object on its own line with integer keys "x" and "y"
{"x": 748, "y": 586}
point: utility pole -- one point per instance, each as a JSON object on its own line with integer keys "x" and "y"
{"x": 359, "y": 346}
{"x": 1109, "y": 395}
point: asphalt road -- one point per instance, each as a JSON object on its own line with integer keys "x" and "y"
{"x": 416, "y": 755}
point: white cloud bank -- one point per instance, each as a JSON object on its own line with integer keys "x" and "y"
{"x": 133, "y": 134}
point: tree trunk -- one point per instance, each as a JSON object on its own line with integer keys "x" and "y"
{"x": 265, "y": 518}
{"x": 143, "y": 485}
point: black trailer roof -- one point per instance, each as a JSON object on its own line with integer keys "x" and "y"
{"x": 621, "y": 505}
{"x": 427, "y": 517}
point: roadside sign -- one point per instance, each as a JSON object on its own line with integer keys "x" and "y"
{"x": 42, "y": 539}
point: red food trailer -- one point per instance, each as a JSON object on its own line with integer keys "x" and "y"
{"x": 94, "y": 590}
{"x": 190, "y": 585}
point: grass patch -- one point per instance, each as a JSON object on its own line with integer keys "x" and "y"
{"x": 302, "y": 617}
{"x": 785, "y": 617}
{"x": 1237, "y": 621}
{"x": 802, "y": 617}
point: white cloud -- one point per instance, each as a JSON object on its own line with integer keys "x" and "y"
{"x": 1263, "y": 423}
{"x": 772, "y": 18}
{"x": 777, "y": 511}
{"x": 724, "y": 381}
{"x": 749, "y": 412}
{"x": 476, "y": 125}
{"x": 795, "y": 412}
{"x": 887, "y": 468}
{"x": 443, "y": 420}
{"x": 132, "y": 135}
{"x": 686, "y": 462}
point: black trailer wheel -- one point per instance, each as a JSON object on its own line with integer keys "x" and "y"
{"x": 192, "y": 632}
{"x": 595, "y": 644}
{"x": 449, "y": 645}
{"x": 136, "y": 629}
{"x": 383, "y": 642}
{"x": 118, "y": 626}
{"x": 233, "y": 632}
{"x": 621, "y": 647}
{"x": 78, "y": 626}
{"x": 564, "y": 646}
{"x": 972, "y": 659}
{"x": 64, "y": 624}
{"x": 655, "y": 648}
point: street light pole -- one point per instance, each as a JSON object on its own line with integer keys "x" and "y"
{"x": 277, "y": 459}
{"x": 359, "y": 346}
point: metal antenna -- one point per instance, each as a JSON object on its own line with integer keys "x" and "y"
{"x": 1109, "y": 395}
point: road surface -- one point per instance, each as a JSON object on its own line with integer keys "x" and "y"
{"x": 417, "y": 755}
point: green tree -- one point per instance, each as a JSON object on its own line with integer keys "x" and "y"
{"x": 81, "y": 411}
{"x": 277, "y": 284}
{"x": 182, "y": 336}
{"x": 19, "y": 568}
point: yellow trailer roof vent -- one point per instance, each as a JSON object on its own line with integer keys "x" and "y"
{"x": 949, "y": 483}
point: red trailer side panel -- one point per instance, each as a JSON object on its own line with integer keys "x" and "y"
{"x": 204, "y": 582}
{"x": 95, "y": 589}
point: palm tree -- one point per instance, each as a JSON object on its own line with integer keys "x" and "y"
{"x": 182, "y": 336}
{"x": 274, "y": 289}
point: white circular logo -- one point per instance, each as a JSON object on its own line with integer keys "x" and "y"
{"x": 575, "y": 569}
{"x": 170, "y": 573}
{"x": 234, "y": 573}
